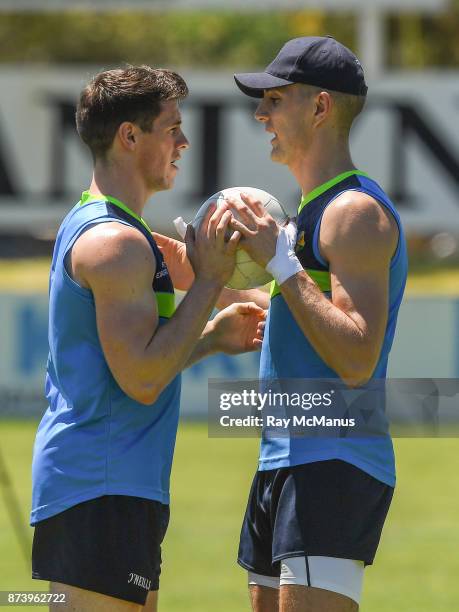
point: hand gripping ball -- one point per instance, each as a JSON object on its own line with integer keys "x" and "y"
{"x": 247, "y": 274}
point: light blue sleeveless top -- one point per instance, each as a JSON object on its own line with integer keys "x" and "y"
{"x": 286, "y": 352}
{"x": 93, "y": 439}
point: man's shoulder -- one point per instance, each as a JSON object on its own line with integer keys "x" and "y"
{"x": 113, "y": 239}
{"x": 357, "y": 221}
{"x": 112, "y": 251}
{"x": 357, "y": 203}
{"x": 353, "y": 211}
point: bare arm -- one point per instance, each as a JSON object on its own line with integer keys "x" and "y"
{"x": 174, "y": 253}
{"x": 116, "y": 262}
{"x": 238, "y": 328}
{"x": 358, "y": 238}
{"x": 231, "y": 296}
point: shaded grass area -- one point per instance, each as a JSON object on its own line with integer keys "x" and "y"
{"x": 24, "y": 275}
{"x": 415, "y": 571}
{"x": 433, "y": 280}
{"x": 29, "y": 275}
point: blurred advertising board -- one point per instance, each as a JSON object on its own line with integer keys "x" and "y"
{"x": 425, "y": 346}
{"x": 407, "y": 139}
{"x": 24, "y": 351}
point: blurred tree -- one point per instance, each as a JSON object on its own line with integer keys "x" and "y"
{"x": 213, "y": 38}
{"x": 417, "y": 41}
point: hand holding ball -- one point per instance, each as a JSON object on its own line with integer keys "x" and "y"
{"x": 247, "y": 274}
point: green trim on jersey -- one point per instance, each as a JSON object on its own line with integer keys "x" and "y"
{"x": 315, "y": 193}
{"x": 320, "y": 277}
{"x": 87, "y": 197}
{"x": 165, "y": 303}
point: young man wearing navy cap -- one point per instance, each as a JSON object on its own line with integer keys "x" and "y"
{"x": 317, "y": 505}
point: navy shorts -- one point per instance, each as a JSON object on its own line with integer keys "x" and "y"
{"x": 326, "y": 508}
{"x": 111, "y": 545}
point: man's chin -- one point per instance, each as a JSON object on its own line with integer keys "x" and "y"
{"x": 276, "y": 156}
{"x": 164, "y": 185}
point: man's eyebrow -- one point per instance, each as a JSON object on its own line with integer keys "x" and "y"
{"x": 172, "y": 122}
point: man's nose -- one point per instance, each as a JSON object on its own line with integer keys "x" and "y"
{"x": 183, "y": 142}
{"x": 261, "y": 113}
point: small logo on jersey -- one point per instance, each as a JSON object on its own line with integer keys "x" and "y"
{"x": 163, "y": 272}
{"x": 139, "y": 581}
{"x": 300, "y": 242}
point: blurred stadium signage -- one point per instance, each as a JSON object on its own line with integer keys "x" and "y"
{"x": 24, "y": 350}
{"x": 407, "y": 139}
{"x": 419, "y": 351}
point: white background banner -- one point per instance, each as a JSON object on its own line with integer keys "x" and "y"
{"x": 407, "y": 140}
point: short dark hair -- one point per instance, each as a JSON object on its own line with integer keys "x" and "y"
{"x": 348, "y": 106}
{"x": 134, "y": 93}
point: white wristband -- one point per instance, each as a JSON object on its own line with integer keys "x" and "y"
{"x": 180, "y": 226}
{"x": 285, "y": 263}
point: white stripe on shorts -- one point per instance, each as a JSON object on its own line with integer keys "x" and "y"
{"x": 267, "y": 581}
{"x": 344, "y": 576}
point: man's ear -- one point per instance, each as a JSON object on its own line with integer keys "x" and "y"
{"x": 127, "y": 135}
{"x": 323, "y": 105}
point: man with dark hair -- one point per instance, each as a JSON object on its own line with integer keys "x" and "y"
{"x": 318, "y": 504}
{"x": 135, "y": 93}
{"x": 104, "y": 447}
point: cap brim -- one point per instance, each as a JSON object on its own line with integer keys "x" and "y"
{"x": 253, "y": 84}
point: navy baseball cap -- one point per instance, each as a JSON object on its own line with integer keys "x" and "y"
{"x": 321, "y": 61}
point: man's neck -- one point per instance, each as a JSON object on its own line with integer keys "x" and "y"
{"x": 321, "y": 165}
{"x": 117, "y": 182}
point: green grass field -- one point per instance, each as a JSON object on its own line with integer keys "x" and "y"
{"x": 418, "y": 562}
{"x": 415, "y": 571}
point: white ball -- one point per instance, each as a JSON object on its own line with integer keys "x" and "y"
{"x": 247, "y": 274}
